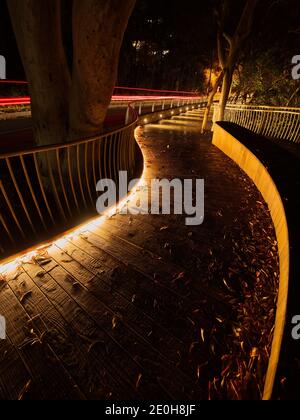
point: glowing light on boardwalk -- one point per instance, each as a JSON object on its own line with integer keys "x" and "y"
{"x": 12, "y": 264}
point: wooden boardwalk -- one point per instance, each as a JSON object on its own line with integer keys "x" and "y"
{"x": 137, "y": 308}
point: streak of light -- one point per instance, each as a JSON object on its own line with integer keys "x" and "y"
{"x": 15, "y": 263}
{"x": 25, "y": 100}
{"x": 137, "y": 89}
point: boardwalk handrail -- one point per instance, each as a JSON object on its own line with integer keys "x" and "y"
{"x": 258, "y": 172}
{"x": 282, "y": 123}
{"x": 48, "y": 189}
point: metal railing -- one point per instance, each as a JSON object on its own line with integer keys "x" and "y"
{"x": 274, "y": 122}
{"x": 150, "y": 106}
{"x": 47, "y": 190}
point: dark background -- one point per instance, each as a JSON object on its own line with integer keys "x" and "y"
{"x": 169, "y": 43}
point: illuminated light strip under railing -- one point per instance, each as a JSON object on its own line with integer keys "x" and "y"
{"x": 12, "y": 264}
{"x": 108, "y": 153}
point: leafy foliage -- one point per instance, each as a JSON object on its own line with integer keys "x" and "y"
{"x": 265, "y": 78}
{"x": 264, "y": 75}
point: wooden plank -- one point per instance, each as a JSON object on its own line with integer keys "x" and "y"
{"x": 49, "y": 377}
{"x": 145, "y": 262}
{"x": 162, "y": 303}
{"x": 152, "y": 265}
{"x": 159, "y": 302}
{"x": 14, "y": 376}
{"x": 133, "y": 344}
{"x": 53, "y": 285}
{"x": 71, "y": 346}
{"x": 144, "y": 325}
{"x": 172, "y": 244}
{"x": 82, "y": 305}
{"x": 147, "y": 294}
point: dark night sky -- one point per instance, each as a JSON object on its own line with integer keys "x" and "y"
{"x": 187, "y": 29}
{"x": 8, "y": 46}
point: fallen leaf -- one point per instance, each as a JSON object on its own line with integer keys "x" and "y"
{"x": 203, "y": 335}
{"x": 24, "y": 390}
{"x": 114, "y": 322}
{"x": 180, "y": 276}
{"x": 254, "y": 352}
{"x": 164, "y": 228}
{"x": 40, "y": 274}
{"x": 45, "y": 261}
{"x": 25, "y": 296}
{"x": 138, "y": 381}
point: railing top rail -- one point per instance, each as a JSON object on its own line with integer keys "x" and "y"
{"x": 263, "y": 107}
{"x": 59, "y": 146}
{"x": 262, "y": 111}
{"x": 282, "y": 123}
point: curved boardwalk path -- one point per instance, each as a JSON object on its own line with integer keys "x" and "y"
{"x": 145, "y": 307}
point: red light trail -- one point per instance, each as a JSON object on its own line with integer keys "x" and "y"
{"x": 13, "y": 82}
{"x": 25, "y": 100}
{"x": 21, "y": 82}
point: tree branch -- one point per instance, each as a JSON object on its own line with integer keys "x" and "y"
{"x": 228, "y": 38}
{"x": 246, "y": 21}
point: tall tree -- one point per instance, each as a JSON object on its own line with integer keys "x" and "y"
{"x": 69, "y": 104}
{"x": 229, "y": 46}
{"x": 210, "y": 101}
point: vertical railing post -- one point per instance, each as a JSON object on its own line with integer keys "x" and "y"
{"x": 127, "y": 116}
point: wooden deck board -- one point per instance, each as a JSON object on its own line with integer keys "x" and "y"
{"x": 144, "y": 325}
{"x": 72, "y": 300}
{"x": 153, "y": 299}
{"x": 70, "y": 343}
{"x": 128, "y": 340}
{"x": 128, "y": 310}
{"x": 48, "y": 376}
{"x": 14, "y": 375}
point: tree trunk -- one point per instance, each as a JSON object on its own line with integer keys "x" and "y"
{"x": 98, "y": 30}
{"x": 211, "y": 101}
{"x": 227, "y": 82}
{"x": 293, "y": 96}
{"x": 234, "y": 43}
{"x": 37, "y": 26}
{"x": 65, "y": 108}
